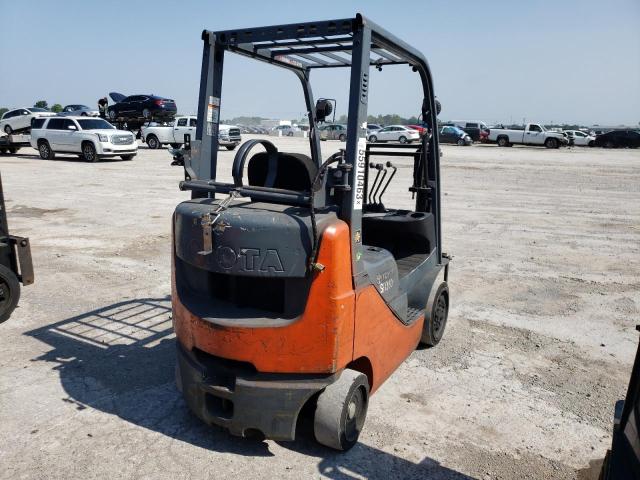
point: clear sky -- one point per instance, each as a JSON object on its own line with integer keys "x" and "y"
{"x": 569, "y": 61}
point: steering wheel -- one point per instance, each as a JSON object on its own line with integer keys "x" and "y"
{"x": 241, "y": 157}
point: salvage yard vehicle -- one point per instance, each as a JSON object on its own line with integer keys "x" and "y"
{"x": 90, "y": 138}
{"x": 531, "y": 134}
{"x": 158, "y": 135}
{"x": 333, "y": 132}
{"x": 79, "y": 110}
{"x": 15, "y": 264}
{"x": 140, "y": 107}
{"x": 618, "y": 139}
{"x": 580, "y": 138}
{"x": 395, "y": 133}
{"x": 13, "y": 143}
{"x": 478, "y": 131}
{"x": 19, "y": 120}
{"x": 295, "y": 286}
{"x": 449, "y": 134}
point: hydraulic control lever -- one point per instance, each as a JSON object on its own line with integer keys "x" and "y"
{"x": 395, "y": 169}
{"x": 377, "y": 190}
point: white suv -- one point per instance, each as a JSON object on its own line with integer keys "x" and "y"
{"x": 90, "y": 138}
{"x": 19, "y": 120}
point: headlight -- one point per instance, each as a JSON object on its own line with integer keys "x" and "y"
{"x": 103, "y": 138}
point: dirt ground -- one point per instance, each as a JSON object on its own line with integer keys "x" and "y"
{"x": 545, "y": 295}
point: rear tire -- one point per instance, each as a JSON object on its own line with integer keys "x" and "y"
{"x": 503, "y": 142}
{"x": 435, "y": 316}
{"x": 44, "y": 149}
{"x": 461, "y": 142}
{"x": 592, "y": 144}
{"x": 341, "y": 411}
{"x": 7, "y": 129}
{"x": 342, "y": 137}
{"x": 9, "y": 292}
{"x": 89, "y": 152}
{"x": 551, "y": 143}
{"x": 403, "y": 139}
{"x": 111, "y": 114}
{"x": 373, "y": 139}
{"x": 153, "y": 142}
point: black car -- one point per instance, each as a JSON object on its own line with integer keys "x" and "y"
{"x": 141, "y": 107}
{"x": 618, "y": 138}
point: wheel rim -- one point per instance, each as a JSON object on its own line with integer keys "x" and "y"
{"x": 112, "y": 114}
{"x": 403, "y": 140}
{"x": 354, "y": 415}
{"x": 152, "y": 143}
{"x": 44, "y": 150}
{"x": 145, "y": 113}
{"x": 440, "y": 315}
{"x": 5, "y": 295}
{"x": 88, "y": 152}
{"x": 7, "y": 129}
{"x": 374, "y": 139}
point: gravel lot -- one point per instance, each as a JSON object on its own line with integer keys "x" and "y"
{"x": 545, "y": 295}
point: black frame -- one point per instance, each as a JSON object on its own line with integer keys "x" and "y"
{"x": 357, "y": 43}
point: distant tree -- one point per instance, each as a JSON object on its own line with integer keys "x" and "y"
{"x": 3, "y": 111}
{"x": 57, "y": 108}
{"x": 41, "y": 104}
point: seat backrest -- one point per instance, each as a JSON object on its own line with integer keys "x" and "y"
{"x": 295, "y": 171}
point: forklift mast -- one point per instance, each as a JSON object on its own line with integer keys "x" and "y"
{"x": 355, "y": 43}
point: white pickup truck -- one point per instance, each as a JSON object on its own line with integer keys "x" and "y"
{"x": 531, "y": 134}
{"x": 157, "y": 135}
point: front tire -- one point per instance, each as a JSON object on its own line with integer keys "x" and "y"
{"x": 342, "y": 137}
{"x": 461, "y": 142}
{"x": 373, "y": 139}
{"x": 9, "y": 292}
{"x": 551, "y": 143}
{"x": 89, "y": 152}
{"x": 592, "y": 144}
{"x": 112, "y": 114}
{"x": 153, "y": 142}
{"x": 435, "y": 316}
{"x": 44, "y": 149}
{"x": 341, "y": 411}
{"x": 146, "y": 113}
{"x": 7, "y": 129}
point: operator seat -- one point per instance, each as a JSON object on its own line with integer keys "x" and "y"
{"x": 293, "y": 171}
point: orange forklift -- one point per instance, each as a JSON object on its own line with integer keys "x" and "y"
{"x": 294, "y": 286}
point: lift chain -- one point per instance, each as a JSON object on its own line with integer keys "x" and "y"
{"x": 208, "y": 220}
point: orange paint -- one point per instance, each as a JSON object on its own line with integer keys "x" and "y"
{"x": 336, "y": 327}
{"x": 320, "y": 341}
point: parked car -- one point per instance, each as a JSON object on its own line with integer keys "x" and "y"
{"x": 478, "y": 131}
{"x": 333, "y": 131}
{"x": 90, "y": 138}
{"x": 373, "y": 127}
{"x": 284, "y": 130}
{"x": 79, "y": 110}
{"x": 19, "y": 120}
{"x": 451, "y": 134}
{"x": 530, "y": 134}
{"x": 618, "y": 139}
{"x": 157, "y": 135}
{"x": 140, "y": 107}
{"x": 395, "y": 133}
